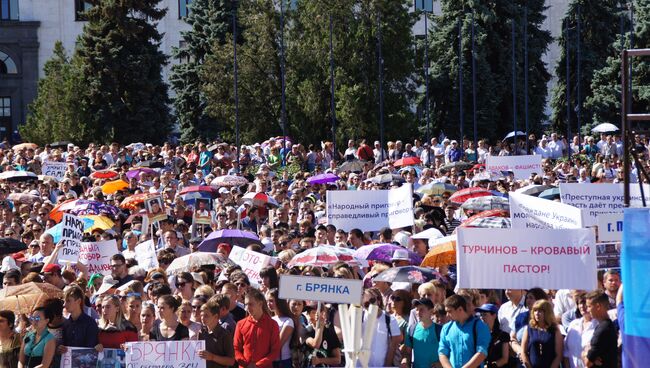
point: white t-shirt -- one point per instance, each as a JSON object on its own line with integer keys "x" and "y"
{"x": 508, "y": 313}
{"x": 286, "y": 350}
{"x": 380, "y": 341}
{"x": 576, "y": 340}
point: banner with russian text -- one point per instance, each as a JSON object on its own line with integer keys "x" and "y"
{"x": 54, "y": 169}
{"x": 89, "y": 358}
{"x": 521, "y": 166}
{"x": 251, "y": 263}
{"x": 161, "y": 354}
{"x": 370, "y": 210}
{"x": 596, "y": 199}
{"x": 71, "y": 235}
{"x": 97, "y": 256}
{"x": 528, "y": 212}
{"x": 525, "y": 258}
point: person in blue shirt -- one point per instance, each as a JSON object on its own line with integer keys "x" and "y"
{"x": 465, "y": 339}
{"x": 421, "y": 342}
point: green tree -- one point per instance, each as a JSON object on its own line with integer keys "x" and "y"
{"x": 493, "y": 60}
{"x": 356, "y": 71}
{"x": 211, "y": 21}
{"x": 258, "y": 75}
{"x": 599, "y": 30}
{"x": 56, "y": 113}
{"x": 605, "y": 100}
{"x": 121, "y": 65}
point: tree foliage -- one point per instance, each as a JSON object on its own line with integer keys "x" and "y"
{"x": 56, "y": 114}
{"x": 125, "y": 97}
{"x": 599, "y": 31}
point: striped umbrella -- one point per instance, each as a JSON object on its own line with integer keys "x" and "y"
{"x": 489, "y": 222}
{"x": 260, "y": 199}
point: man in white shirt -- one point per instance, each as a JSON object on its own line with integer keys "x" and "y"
{"x": 555, "y": 146}
{"x": 542, "y": 149}
{"x": 511, "y": 309}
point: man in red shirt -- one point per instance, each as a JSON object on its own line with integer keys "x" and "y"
{"x": 257, "y": 337}
{"x": 364, "y": 152}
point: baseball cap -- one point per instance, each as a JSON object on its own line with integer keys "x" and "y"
{"x": 51, "y": 269}
{"x": 491, "y": 308}
{"x": 223, "y": 190}
{"x": 422, "y": 301}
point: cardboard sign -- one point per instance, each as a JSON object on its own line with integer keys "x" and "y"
{"x": 202, "y": 213}
{"x": 145, "y": 254}
{"x": 610, "y": 227}
{"x": 521, "y": 166}
{"x": 160, "y": 354}
{"x": 54, "y": 169}
{"x": 370, "y": 210}
{"x": 88, "y": 357}
{"x": 155, "y": 208}
{"x": 321, "y": 289}
{"x": 525, "y": 258}
{"x": 251, "y": 263}
{"x": 97, "y": 256}
{"x": 528, "y": 212}
{"x": 596, "y": 199}
{"x": 71, "y": 235}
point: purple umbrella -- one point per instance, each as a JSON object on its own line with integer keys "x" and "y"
{"x": 134, "y": 173}
{"x": 323, "y": 179}
{"x": 88, "y": 207}
{"x": 384, "y": 253}
{"x": 230, "y": 236}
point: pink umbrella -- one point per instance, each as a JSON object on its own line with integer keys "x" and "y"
{"x": 324, "y": 256}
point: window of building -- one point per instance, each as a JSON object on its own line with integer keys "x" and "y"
{"x": 5, "y": 107}
{"x": 8, "y": 9}
{"x": 7, "y": 64}
{"x": 183, "y": 8}
{"x": 80, "y": 7}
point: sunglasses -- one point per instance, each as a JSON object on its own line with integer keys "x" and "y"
{"x": 181, "y": 284}
{"x": 35, "y": 318}
{"x": 395, "y": 298}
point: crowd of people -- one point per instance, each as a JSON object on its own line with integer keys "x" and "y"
{"x": 245, "y": 323}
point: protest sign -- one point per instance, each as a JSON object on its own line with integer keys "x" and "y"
{"x": 71, "y": 235}
{"x": 54, "y": 169}
{"x": 528, "y": 212}
{"x": 370, "y": 210}
{"x": 596, "y": 199}
{"x": 251, "y": 263}
{"x": 524, "y": 258}
{"x": 145, "y": 254}
{"x": 608, "y": 255}
{"x": 155, "y": 208}
{"x": 97, "y": 256}
{"x": 89, "y": 358}
{"x": 202, "y": 213}
{"x": 159, "y": 354}
{"x": 321, "y": 289}
{"x": 610, "y": 227}
{"x": 521, "y": 166}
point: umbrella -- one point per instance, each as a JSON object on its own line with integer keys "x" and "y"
{"x": 383, "y": 253}
{"x": 464, "y": 194}
{"x": 150, "y": 164}
{"x": 82, "y": 207}
{"x": 459, "y": 165}
{"x": 192, "y": 261}
{"x": 436, "y": 189}
{"x": 57, "y": 144}
{"x": 228, "y": 181}
{"x": 133, "y": 202}
{"x": 486, "y": 203}
{"x": 410, "y": 274}
{"x": 21, "y": 299}
{"x": 233, "y": 237}
{"x": 442, "y": 253}
{"x": 16, "y": 176}
{"x": 490, "y": 213}
{"x": 135, "y": 173}
{"x": 513, "y": 134}
{"x": 190, "y": 194}
{"x": 407, "y": 161}
{"x": 104, "y": 174}
{"x": 488, "y": 222}
{"x": 385, "y": 179}
{"x": 324, "y": 256}
{"x": 260, "y": 199}
{"x": 351, "y": 166}
{"x": 114, "y": 186}
{"x": 22, "y": 146}
{"x": 323, "y": 178}
{"x": 551, "y": 193}
{"x": 93, "y": 222}
{"x": 533, "y": 189}
{"x": 604, "y": 128}
{"x": 430, "y": 233}
{"x": 10, "y": 245}
{"x": 46, "y": 178}
{"x": 27, "y": 198}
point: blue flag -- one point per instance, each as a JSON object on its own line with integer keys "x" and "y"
{"x": 634, "y": 313}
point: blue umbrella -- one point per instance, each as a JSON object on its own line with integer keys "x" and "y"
{"x": 551, "y": 193}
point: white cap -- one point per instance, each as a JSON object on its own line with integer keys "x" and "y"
{"x": 8, "y": 264}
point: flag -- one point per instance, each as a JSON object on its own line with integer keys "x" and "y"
{"x": 634, "y": 314}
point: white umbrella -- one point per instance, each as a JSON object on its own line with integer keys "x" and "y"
{"x": 604, "y": 128}
{"x": 431, "y": 233}
{"x": 513, "y": 134}
{"x": 189, "y": 262}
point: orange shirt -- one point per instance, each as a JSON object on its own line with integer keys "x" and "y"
{"x": 257, "y": 342}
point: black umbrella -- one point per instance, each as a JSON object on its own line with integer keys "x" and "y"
{"x": 410, "y": 274}
{"x": 459, "y": 165}
{"x": 150, "y": 164}
{"x": 59, "y": 144}
{"x": 10, "y": 245}
{"x": 385, "y": 178}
